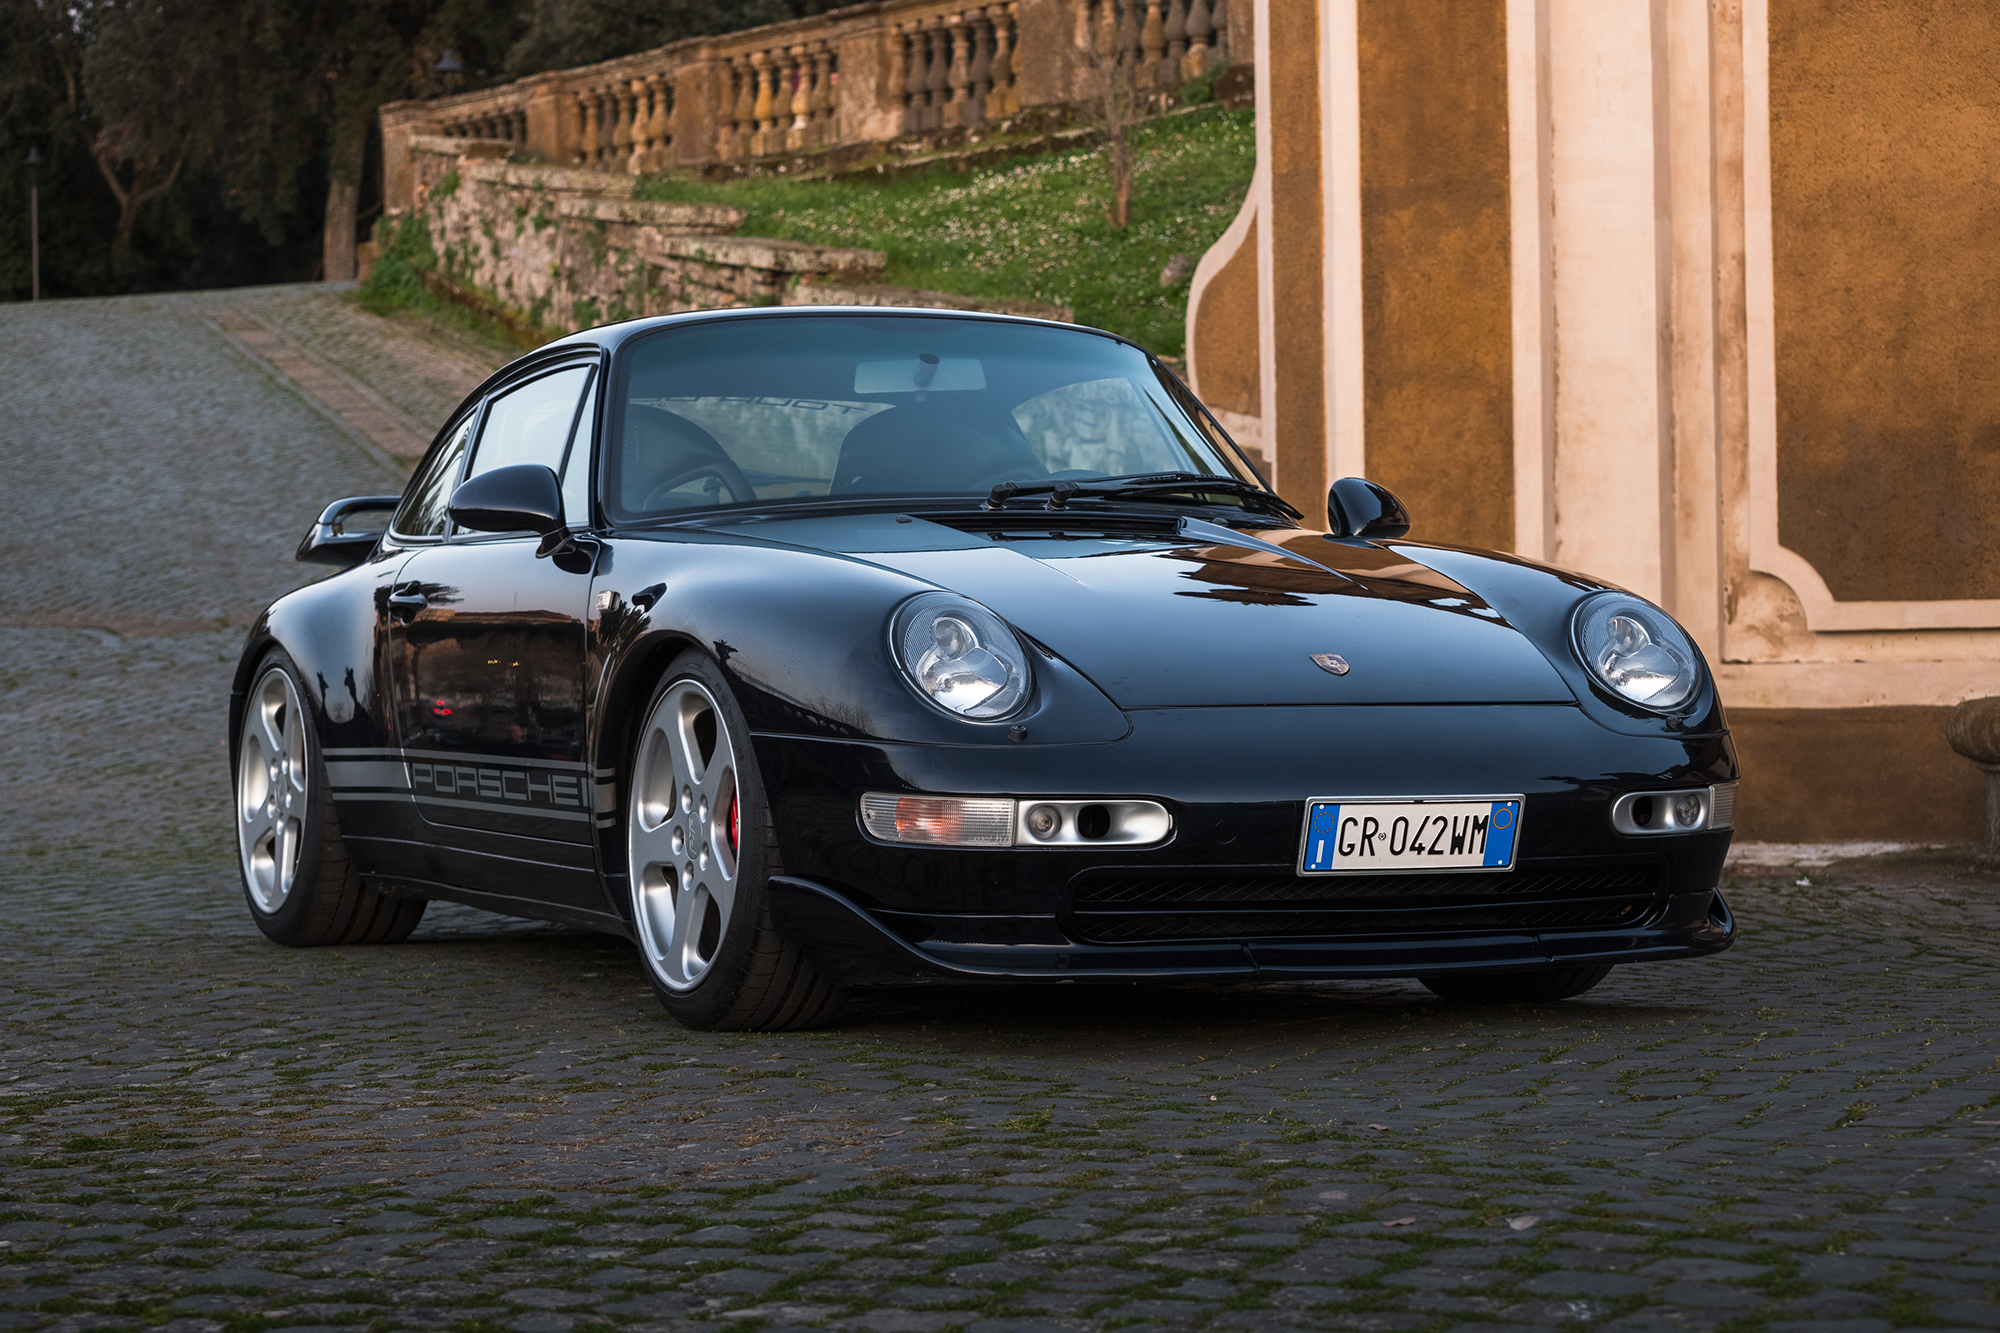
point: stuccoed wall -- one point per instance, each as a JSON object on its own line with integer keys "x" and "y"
{"x": 569, "y": 249}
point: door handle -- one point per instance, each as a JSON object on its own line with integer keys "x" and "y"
{"x": 405, "y": 602}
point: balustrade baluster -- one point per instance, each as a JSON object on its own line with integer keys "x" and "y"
{"x": 1176, "y": 35}
{"x": 660, "y": 132}
{"x": 800, "y": 101}
{"x": 1152, "y": 46}
{"x": 959, "y": 74}
{"x": 937, "y": 80}
{"x": 1218, "y": 26}
{"x": 642, "y": 128}
{"x": 1198, "y": 28}
{"x": 981, "y": 31}
{"x": 767, "y": 104}
{"x": 1003, "y": 42}
{"x": 586, "y": 110}
{"x": 822, "y": 130}
{"x": 898, "y": 85}
{"x": 1014, "y": 59}
{"x": 916, "y": 70}
{"x": 1104, "y": 32}
{"x": 743, "y": 118}
{"x": 621, "y": 126}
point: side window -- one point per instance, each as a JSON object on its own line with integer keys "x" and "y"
{"x": 530, "y": 424}
{"x": 422, "y": 513}
{"x": 576, "y": 466}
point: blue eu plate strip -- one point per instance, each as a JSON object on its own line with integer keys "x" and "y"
{"x": 1500, "y": 833}
{"x": 1320, "y": 830}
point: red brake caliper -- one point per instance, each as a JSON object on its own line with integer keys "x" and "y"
{"x": 735, "y": 826}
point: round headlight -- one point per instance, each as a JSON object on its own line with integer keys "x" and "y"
{"x": 961, "y": 656}
{"x": 1637, "y": 651}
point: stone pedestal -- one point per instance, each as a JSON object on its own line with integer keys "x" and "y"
{"x": 1974, "y": 731}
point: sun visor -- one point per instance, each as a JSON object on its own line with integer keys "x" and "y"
{"x": 925, "y": 372}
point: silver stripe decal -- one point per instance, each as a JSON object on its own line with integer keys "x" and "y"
{"x": 402, "y": 796}
{"x": 470, "y": 757}
{"x": 495, "y": 808}
{"x": 367, "y": 773}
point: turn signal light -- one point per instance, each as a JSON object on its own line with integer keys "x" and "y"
{"x": 939, "y": 821}
{"x": 986, "y": 821}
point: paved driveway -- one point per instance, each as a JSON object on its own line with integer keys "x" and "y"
{"x": 493, "y": 1126}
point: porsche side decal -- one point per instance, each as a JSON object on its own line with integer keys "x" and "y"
{"x": 547, "y": 789}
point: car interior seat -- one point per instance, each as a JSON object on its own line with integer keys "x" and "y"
{"x": 660, "y": 444}
{"x": 945, "y": 443}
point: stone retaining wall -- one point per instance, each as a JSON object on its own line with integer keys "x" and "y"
{"x": 568, "y": 249}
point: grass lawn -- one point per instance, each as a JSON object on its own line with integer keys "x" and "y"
{"x": 1033, "y": 228}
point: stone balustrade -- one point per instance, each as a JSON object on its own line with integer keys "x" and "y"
{"x": 956, "y": 68}
{"x": 1164, "y": 42}
{"x": 867, "y": 74}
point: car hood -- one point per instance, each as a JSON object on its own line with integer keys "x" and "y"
{"x": 1210, "y": 615}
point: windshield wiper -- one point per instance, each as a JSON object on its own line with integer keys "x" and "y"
{"x": 1142, "y": 486}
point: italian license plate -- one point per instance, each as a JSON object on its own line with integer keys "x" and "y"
{"x": 1441, "y": 833}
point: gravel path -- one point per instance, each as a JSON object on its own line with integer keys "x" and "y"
{"x": 492, "y": 1127}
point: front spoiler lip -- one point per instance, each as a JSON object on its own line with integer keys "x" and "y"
{"x": 847, "y": 942}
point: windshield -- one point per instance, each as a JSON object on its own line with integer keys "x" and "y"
{"x": 803, "y": 407}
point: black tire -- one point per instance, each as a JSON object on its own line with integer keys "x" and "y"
{"x": 326, "y": 901}
{"x": 753, "y": 979}
{"x": 1556, "y": 983}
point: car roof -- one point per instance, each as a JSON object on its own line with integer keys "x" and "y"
{"x": 611, "y": 335}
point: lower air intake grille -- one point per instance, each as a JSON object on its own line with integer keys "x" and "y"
{"x": 1129, "y": 908}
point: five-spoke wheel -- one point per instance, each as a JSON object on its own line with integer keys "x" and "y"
{"x": 272, "y": 791}
{"x": 700, "y": 846}
{"x": 684, "y": 835}
{"x": 301, "y": 886}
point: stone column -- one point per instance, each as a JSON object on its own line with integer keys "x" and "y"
{"x": 701, "y": 109}
{"x": 401, "y": 121}
{"x": 1048, "y": 58}
{"x": 867, "y": 97}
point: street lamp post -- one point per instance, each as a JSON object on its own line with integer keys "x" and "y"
{"x": 449, "y": 67}
{"x": 34, "y": 225}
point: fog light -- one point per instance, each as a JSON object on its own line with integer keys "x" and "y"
{"x": 939, "y": 821}
{"x": 1043, "y": 822}
{"x": 1639, "y": 814}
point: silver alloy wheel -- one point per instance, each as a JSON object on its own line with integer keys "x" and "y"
{"x": 272, "y": 789}
{"x": 679, "y": 835}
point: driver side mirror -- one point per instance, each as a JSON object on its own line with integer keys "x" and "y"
{"x": 523, "y": 498}
{"x": 337, "y": 540}
{"x": 1364, "y": 511}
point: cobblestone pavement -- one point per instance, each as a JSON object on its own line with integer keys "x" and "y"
{"x": 493, "y": 1127}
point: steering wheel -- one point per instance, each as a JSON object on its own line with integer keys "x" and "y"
{"x": 722, "y": 469}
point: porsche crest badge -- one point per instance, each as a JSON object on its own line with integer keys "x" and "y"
{"x": 1333, "y": 662}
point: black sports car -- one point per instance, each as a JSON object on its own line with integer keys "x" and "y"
{"x": 821, "y": 648}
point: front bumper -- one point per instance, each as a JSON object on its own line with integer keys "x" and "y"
{"x": 859, "y": 947}
{"x": 1235, "y": 781}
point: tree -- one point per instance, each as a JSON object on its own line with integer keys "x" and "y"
{"x": 1113, "y": 53}
{"x": 374, "y": 51}
{"x": 42, "y": 107}
{"x": 150, "y": 79}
